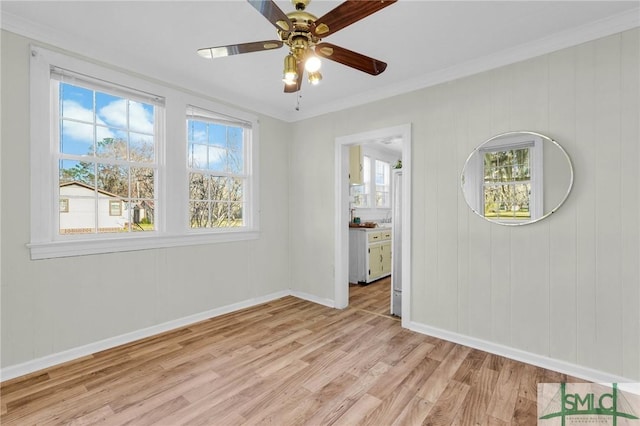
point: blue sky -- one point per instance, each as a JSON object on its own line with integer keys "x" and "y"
{"x": 110, "y": 118}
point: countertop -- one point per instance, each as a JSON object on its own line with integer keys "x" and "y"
{"x": 384, "y": 227}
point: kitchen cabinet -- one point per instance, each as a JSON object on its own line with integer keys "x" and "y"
{"x": 369, "y": 254}
{"x": 355, "y": 165}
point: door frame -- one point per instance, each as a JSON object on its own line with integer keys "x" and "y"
{"x": 341, "y": 275}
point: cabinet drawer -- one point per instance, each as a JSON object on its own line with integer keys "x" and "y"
{"x": 374, "y": 237}
{"x": 386, "y": 235}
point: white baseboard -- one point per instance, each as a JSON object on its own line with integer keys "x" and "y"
{"x": 520, "y": 355}
{"x": 13, "y": 371}
{"x": 315, "y": 299}
{"x": 564, "y": 367}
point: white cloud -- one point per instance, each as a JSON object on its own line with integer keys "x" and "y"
{"x": 81, "y": 131}
{"x": 115, "y": 113}
{"x": 112, "y": 114}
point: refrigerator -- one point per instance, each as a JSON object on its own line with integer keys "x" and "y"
{"x": 396, "y": 243}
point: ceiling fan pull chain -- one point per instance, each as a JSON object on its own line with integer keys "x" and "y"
{"x": 298, "y": 100}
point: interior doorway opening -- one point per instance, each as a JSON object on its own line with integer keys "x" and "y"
{"x": 401, "y": 135}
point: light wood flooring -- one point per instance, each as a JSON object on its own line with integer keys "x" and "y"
{"x": 287, "y": 362}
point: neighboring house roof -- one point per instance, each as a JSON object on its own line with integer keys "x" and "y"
{"x": 84, "y": 185}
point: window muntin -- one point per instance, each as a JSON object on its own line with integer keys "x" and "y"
{"x": 106, "y": 153}
{"x": 383, "y": 184}
{"x": 218, "y": 178}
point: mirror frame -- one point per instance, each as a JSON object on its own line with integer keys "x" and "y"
{"x": 477, "y": 150}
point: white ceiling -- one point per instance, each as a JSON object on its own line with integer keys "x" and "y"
{"x": 424, "y": 43}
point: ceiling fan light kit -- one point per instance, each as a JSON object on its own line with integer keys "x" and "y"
{"x": 302, "y": 32}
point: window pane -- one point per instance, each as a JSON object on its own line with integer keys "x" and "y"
{"x": 77, "y": 171}
{"x": 217, "y": 135}
{"x": 76, "y": 103}
{"x": 141, "y": 117}
{"x": 142, "y": 215}
{"x": 199, "y": 214}
{"x": 217, "y": 159}
{"x": 198, "y": 156}
{"x": 235, "y": 215}
{"x": 219, "y": 188}
{"x": 111, "y": 110}
{"x": 236, "y": 189}
{"x": 113, "y": 146}
{"x": 76, "y": 138}
{"x": 507, "y": 201}
{"x": 235, "y": 146}
{"x": 198, "y": 186}
{"x": 81, "y": 215}
{"x": 142, "y": 182}
{"x": 141, "y": 148}
{"x": 219, "y": 214}
{"x": 197, "y": 132}
{"x": 113, "y": 180}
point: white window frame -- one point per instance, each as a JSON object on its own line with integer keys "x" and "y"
{"x": 207, "y": 116}
{"x": 172, "y": 191}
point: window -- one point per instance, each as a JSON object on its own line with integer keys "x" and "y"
{"x": 507, "y": 184}
{"x": 115, "y": 208}
{"x": 106, "y": 146}
{"x": 383, "y": 185}
{"x": 218, "y": 180}
{"x": 504, "y": 181}
{"x": 362, "y": 193}
{"x": 115, "y": 165}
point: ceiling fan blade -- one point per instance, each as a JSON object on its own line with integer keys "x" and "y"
{"x": 273, "y": 13}
{"x": 350, "y": 58}
{"x": 292, "y": 88}
{"x": 346, "y": 14}
{"x": 236, "y": 49}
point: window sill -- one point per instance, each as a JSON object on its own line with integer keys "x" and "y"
{"x": 55, "y": 249}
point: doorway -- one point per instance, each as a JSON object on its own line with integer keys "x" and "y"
{"x": 342, "y": 213}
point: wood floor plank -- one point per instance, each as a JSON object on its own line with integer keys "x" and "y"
{"x": 286, "y": 362}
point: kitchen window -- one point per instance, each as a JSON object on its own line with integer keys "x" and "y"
{"x": 383, "y": 184}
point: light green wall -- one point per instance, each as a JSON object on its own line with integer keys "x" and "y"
{"x": 565, "y": 288}
{"x": 49, "y": 306}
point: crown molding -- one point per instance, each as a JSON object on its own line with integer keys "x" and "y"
{"x": 568, "y": 38}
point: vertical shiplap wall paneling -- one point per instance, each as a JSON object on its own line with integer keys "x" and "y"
{"x": 630, "y": 192}
{"x": 465, "y": 302}
{"x": 478, "y": 92}
{"x": 447, "y": 203}
{"x": 501, "y": 100}
{"x": 429, "y": 190}
{"x": 608, "y": 204}
{"x": 530, "y": 244}
{"x": 583, "y": 192}
{"x": 437, "y": 313}
{"x": 562, "y": 226}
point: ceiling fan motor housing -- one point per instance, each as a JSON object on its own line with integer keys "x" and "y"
{"x": 300, "y": 4}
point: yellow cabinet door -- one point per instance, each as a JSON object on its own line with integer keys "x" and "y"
{"x": 355, "y": 165}
{"x": 385, "y": 251}
{"x": 375, "y": 261}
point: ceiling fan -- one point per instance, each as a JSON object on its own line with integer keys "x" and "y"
{"x": 302, "y": 32}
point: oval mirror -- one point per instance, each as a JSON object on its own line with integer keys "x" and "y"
{"x": 517, "y": 178}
